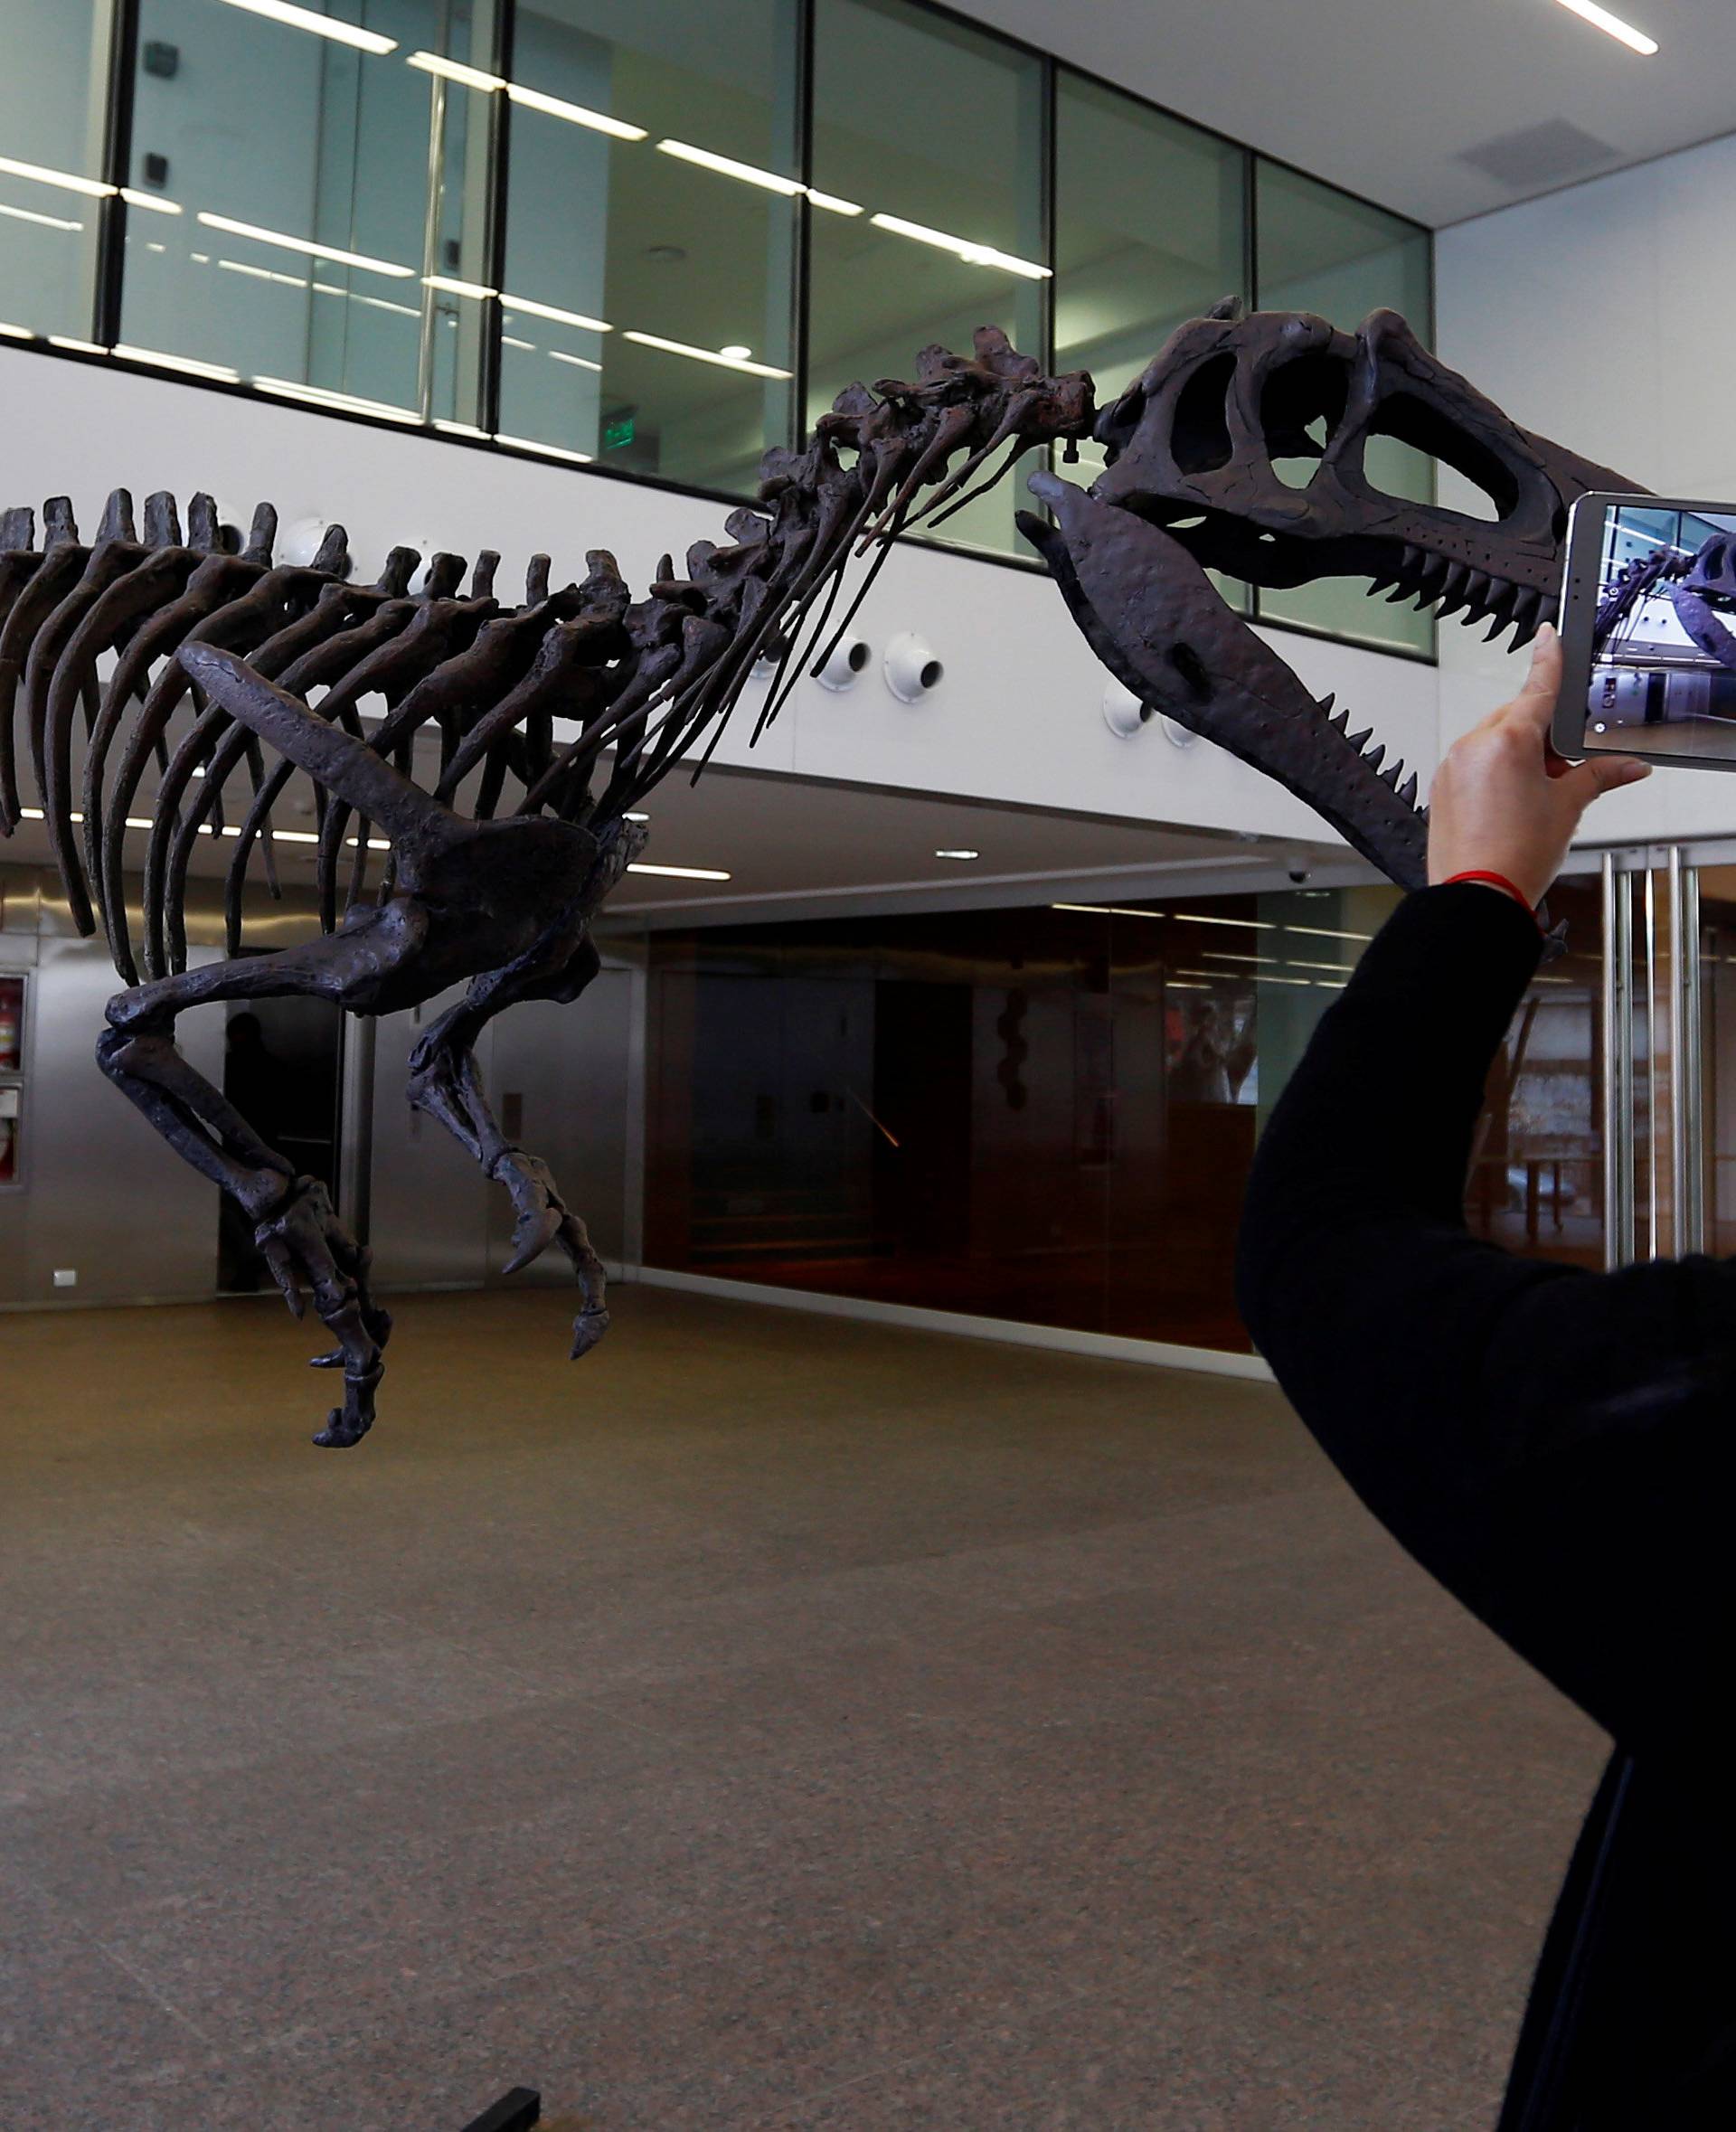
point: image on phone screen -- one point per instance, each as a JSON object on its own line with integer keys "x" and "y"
{"x": 1663, "y": 675}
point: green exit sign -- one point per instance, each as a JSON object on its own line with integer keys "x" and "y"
{"x": 618, "y": 432}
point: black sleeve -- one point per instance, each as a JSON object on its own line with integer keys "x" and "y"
{"x": 1538, "y": 1436}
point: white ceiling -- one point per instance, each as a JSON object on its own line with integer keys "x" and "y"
{"x": 1384, "y": 95}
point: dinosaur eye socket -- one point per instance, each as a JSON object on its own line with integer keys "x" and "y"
{"x": 1200, "y": 442}
{"x": 1411, "y": 421}
{"x": 1301, "y": 405}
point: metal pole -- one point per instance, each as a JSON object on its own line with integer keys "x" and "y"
{"x": 1616, "y": 1126}
{"x": 1690, "y": 1073}
{"x": 355, "y": 1125}
{"x": 1675, "y": 951}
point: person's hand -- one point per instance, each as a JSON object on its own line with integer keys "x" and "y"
{"x": 1504, "y": 802}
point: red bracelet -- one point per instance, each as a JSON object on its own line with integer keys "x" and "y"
{"x": 1498, "y": 880}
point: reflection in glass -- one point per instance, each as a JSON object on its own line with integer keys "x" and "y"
{"x": 50, "y": 164}
{"x": 927, "y": 140}
{"x": 1150, "y": 232}
{"x": 1045, "y": 1114}
{"x": 655, "y": 325}
{"x": 1535, "y": 1184}
{"x": 12, "y": 1063}
{"x": 286, "y": 233}
{"x": 1323, "y": 251}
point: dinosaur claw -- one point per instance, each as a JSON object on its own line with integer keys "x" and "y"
{"x": 588, "y": 1328}
{"x": 532, "y": 1233}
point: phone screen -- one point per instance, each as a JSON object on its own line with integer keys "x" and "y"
{"x": 1663, "y": 669}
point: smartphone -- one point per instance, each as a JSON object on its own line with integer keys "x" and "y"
{"x": 1648, "y": 631}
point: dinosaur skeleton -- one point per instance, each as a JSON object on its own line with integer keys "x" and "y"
{"x": 1692, "y": 583}
{"x": 153, "y": 648}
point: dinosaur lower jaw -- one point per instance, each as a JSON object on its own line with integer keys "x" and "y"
{"x": 1154, "y": 618}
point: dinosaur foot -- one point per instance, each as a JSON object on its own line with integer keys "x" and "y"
{"x": 544, "y": 1217}
{"x": 310, "y": 1251}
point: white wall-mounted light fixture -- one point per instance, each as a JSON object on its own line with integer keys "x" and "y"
{"x": 845, "y": 664}
{"x": 1123, "y": 712}
{"x": 1176, "y": 733}
{"x": 911, "y": 669}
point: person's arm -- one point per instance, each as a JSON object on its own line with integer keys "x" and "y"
{"x": 1503, "y": 1418}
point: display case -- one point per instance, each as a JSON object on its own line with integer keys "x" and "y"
{"x": 14, "y": 994}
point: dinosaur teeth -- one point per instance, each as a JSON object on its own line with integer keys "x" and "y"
{"x": 1390, "y": 775}
{"x": 1408, "y": 790}
{"x": 1476, "y": 593}
{"x": 1375, "y": 757}
{"x": 1356, "y": 740}
{"x": 1527, "y": 615}
{"x": 1326, "y": 701}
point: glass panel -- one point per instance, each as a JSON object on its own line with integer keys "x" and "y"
{"x": 1537, "y": 1176}
{"x": 690, "y": 264}
{"x": 1321, "y": 250}
{"x": 296, "y": 170}
{"x": 1126, "y": 272}
{"x": 11, "y": 1060}
{"x": 1718, "y": 1055}
{"x": 928, "y": 138}
{"x": 1040, "y": 1114}
{"x": 52, "y": 98}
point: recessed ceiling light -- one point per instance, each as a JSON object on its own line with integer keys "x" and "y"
{"x": 960, "y": 853}
{"x": 1612, "y": 25}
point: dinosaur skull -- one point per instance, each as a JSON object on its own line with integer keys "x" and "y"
{"x": 1713, "y": 572}
{"x": 1197, "y": 447}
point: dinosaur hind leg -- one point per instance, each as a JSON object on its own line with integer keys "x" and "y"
{"x": 296, "y": 1227}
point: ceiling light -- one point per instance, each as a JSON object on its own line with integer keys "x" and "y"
{"x": 66, "y": 340}
{"x": 757, "y": 369}
{"x": 561, "y": 317}
{"x": 187, "y": 362}
{"x": 431, "y": 62}
{"x": 736, "y": 351}
{"x": 1328, "y": 932}
{"x": 1226, "y": 955}
{"x": 1108, "y": 910}
{"x": 68, "y": 180}
{"x": 264, "y": 274}
{"x": 134, "y": 198}
{"x": 973, "y": 254}
{"x": 553, "y": 452}
{"x": 508, "y": 340}
{"x": 322, "y": 25}
{"x": 578, "y": 362}
{"x": 1612, "y": 25}
{"x": 454, "y": 287}
{"x": 558, "y": 107}
{"x": 354, "y": 295}
{"x": 750, "y": 174}
{"x": 305, "y": 246}
{"x": 678, "y": 872}
{"x": 459, "y": 429}
{"x": 962, "y": 853}
{"x": 29, "y": 214}
{"x": 631, "y": 817}
{"x": 1252, "y": 925}
{"x": 346, "y": 402}
{"x": 17, "y": 333}
{"x": 830, "y": 202}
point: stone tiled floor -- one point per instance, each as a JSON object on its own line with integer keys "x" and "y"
{"x": 772, "y": 1723}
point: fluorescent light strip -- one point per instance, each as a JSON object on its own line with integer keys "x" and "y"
{"x": 973, "y": 254}
{"x": 374, "y": 303}
{"x": 1326, "y": 932}
{"x": 318, "y": 396}
{"x": 508, "y": 340}
{"x": 262, "y": 273}
{"x": 553, "y": 452}
{"x": 187, "y": 362}
{"x": 1612, "y": 25}
{"x": 558, "y": 107}
{"x": 750, "y": 174}
{"x": 322, "y": 25}
{"x": 757, "y": 370}
{"x": 17, "y": 333}
{"x": 1252, "y": 925}
{"x": 305, "y": 246}
{"x": 66, "y": 340}
{"x": 678, "y": 872}
{"x": 134, "y": 198}
{"x": 29, "y": 214}
{"x": 561, "y": 317}
{"x": 432, "y": 62}
{"x": 454, "y": 287}
{"x": 459, "y": 430}
{"x": 69, "y": 181}
{"x": 830, "y": 202}
{"x": 578, "y": 362}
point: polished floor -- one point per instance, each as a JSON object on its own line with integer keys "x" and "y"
{"x": 771, "y": 1723}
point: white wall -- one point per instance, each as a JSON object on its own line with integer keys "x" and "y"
{"x": 1016, "y": 719}
{"x": 1597, "y": 315}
